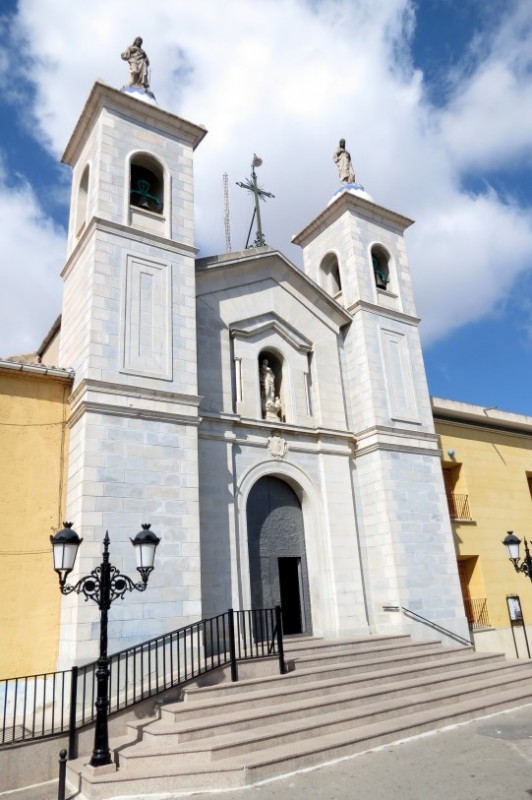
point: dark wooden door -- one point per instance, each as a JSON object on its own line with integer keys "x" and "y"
{"x": 277, "y": 557}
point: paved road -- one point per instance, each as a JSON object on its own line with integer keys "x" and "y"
{"x": 490, "y": 759}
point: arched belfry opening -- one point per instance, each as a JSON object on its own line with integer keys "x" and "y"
{"x": 272, "y": 404}
{"x": 329, "y": 274}
{"x": 82, "y": 201}
{"x": 380, "y": 261}
{"x": 146, "y": 183}
{"x": 277, "y": 555}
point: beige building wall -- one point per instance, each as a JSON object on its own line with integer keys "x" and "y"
{"x": 487, "y": 456}
{"x": 33, "y": 449}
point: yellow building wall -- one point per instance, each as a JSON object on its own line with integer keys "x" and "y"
{"x": 33, "y": 450}
{"x": 494, "y": 467}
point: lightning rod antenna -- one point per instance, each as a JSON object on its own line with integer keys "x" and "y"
{"x": 227, "y": 220}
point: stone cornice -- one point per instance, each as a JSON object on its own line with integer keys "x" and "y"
{"x": 393, "y": 447}
{"x": 388, "y": 430}
{"x": 131, "y": 412}
{"x": 118, "y": 399}
{"x": 124, "y": 389}
{"x": 402, "y": 440}
{"x": 235, "y": 428}
{"x": 103, "y": 96}
{"x": 127, "y": 232}
{"x": 523, "y": 430}
{"x": 382, "y": 311}
{"x": 350, "y": 202}
{"x": 481, "y": 416}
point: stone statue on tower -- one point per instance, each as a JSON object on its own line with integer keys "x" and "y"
{"x": 138, "y": 65}
{"x": 342, "y": 159}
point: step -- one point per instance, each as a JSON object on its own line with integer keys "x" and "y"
{"x": 167, "y": 775}
{"x": 304, "y": 729}
{"x": 307, "y": 718}
{"x": 308, "y": 645}
{"x": 293, "y": 689}
{"x": 343, "y": 697}
{"x": 302, "y": 671}
{"x": 360, "y": 653}
{"x": 284, "y": 759}
{"x": 237, "y": 692}
{"x": 328, "y": 659}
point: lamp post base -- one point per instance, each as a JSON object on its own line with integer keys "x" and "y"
{"x": 101, "y": 760}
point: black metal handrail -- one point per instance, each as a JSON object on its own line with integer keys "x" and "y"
{"x": 54, "y": 703}
{"x": 431, "y": 624}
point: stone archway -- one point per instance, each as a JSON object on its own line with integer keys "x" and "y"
{"x": 277, "y": 555}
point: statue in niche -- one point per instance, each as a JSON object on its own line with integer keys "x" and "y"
{"x": 270, "y": 402}
{"x": 138, "y": 65}
{"x": 342, "y": 159}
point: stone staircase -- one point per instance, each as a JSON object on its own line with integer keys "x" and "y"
{"x": 341, "y": 697}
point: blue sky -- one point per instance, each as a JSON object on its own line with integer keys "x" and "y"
{"x": 484, "y": 362}
{"x": 434, "y": 98}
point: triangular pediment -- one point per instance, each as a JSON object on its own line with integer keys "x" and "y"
{"x": 266, "y": 324}
{"x": 242, "y": 272}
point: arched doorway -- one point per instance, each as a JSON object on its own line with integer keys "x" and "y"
{"x": 277, "y": 557}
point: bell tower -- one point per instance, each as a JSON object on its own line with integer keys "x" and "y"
{"x": 129, "y": 331}
{"x": 355, "y": 250}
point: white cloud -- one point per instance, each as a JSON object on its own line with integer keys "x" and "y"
{"x": 488, "y": 121}
{"x": 32, "y": 249}
{"x": 467, "y": 257}
{"x": 287, "y": 79}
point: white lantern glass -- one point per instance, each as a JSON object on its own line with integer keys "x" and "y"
{"x": 513, "y": 550}
{"x": 145, "y": 554}
{"x": 512, "y": 542}
{"x": 65, "y": 555}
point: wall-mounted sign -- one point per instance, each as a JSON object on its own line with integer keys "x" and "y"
{"x": 514, "y": 608}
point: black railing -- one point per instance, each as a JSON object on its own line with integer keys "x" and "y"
{"x": 458, "y": 506}
{"x": 34, "y": 706}
{"x": 430, "y": 624}
{"x": 477, "y": 612}
{"x": 50, "y": 704}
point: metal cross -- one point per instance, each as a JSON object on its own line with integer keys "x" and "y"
{"x": 258, "y": 193}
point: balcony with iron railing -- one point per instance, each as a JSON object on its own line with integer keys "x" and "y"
{"x": 458, "y": 506}
{"x": 477, "y": 613}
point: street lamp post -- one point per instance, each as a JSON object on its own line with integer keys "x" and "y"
{"x": 512, "y": 542}
{"x": 104, "y": 585}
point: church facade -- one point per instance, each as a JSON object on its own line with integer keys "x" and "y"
{"x": 272, "y": 424}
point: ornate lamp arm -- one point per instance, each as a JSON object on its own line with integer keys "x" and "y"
{"x": 526, "y": 564}
{"x": 105, "y": 584}
{"x": 512, "y": 542}
{"x": 91, "y": 585}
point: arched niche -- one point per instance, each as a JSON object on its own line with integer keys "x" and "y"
{"x": 270, "y": 366}
{"x": 82, "y": 201}
{"x": 380, "y": 262}
{"x": 329, "y": 274}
